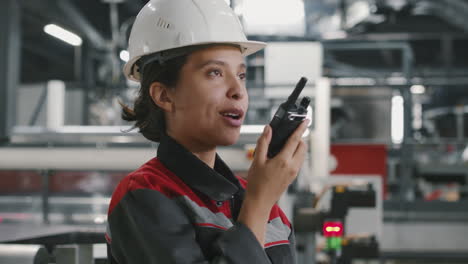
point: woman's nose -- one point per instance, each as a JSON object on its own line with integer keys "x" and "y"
{"x": 237, "y": 88}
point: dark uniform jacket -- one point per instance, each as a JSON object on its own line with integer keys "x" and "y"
{"x": 176, "y": 209}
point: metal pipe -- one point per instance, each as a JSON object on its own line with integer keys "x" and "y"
{"x": 320, "y": 136}
{"x": 84, "y": 158}
{"x": 37, "y": 109}
{"x": 459, "y": 116}
{"x": 55, "y": 104}
{"x": 114, "y": 23}
{"x": 77, "y": 63}
{"x": 23, "y": 254}
{"x": 82, "y": 24}
{"x": 9, "y": 64}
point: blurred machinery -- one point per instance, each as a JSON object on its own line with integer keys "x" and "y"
{"x": 339, "y": 245}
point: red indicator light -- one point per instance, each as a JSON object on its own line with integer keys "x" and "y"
{"x": 333, "y": 229}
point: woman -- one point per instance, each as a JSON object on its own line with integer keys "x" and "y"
{"x": 185, "y": 205}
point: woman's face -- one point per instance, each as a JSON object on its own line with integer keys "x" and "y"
{"x": 210, "y": 100}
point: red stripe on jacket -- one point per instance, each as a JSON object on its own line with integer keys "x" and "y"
{"x": 155, "y": 176}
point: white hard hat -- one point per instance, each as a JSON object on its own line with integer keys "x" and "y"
{"x": 164, "y": 25}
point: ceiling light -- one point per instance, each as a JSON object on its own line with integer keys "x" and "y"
{"x": 63, "y": 34}
{"x": 124, "y": 55}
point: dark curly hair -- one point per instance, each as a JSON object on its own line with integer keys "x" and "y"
{"x": 148, "y": 116}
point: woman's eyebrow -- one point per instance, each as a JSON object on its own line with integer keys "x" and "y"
{"x": 218, "y": 62}
{"x": 208, "y": 62}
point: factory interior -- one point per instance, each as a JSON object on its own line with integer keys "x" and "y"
{"x": 385, "y": 178}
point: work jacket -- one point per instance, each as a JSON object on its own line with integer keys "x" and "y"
{"x": 176, "y": 209}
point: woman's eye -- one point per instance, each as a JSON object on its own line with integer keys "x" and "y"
{"x": 242, "y": 76}
{"x": 215, "y": 73}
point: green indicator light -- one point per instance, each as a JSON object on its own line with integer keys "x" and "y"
{"x": 334, "y": 243}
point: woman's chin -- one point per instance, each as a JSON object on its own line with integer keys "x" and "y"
{"x": 228, "y": 139}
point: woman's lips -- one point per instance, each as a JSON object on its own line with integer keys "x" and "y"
{"x": 232, "y": 121}
{"x": 232, "y": 116}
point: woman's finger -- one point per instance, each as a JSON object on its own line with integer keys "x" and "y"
{"x": 299, "y": 154}
{"x": 263, "y": 141}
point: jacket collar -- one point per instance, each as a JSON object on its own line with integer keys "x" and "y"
{"x": 219, "y": 183}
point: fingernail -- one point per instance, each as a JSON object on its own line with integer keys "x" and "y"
{"x": 265, "y": 129}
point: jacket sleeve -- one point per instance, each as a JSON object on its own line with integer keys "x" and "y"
{"x": 148, "y": 227}
{"x": 292, "y": 245}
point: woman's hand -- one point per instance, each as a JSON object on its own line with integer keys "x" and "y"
{"x": 269, "y": 178}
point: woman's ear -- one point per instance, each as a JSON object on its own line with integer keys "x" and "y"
{"x": 160, "y": 95}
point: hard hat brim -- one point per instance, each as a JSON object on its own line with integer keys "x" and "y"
{"x": 248, "y": 48}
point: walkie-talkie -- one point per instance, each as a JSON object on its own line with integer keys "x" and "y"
{"x": 287, "y": 118}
